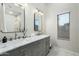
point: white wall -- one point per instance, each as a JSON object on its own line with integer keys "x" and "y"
{"x": 29, "y": 20}
{"x": 51, "y": 25}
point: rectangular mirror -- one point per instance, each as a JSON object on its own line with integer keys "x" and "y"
{"x": 13, "y": 17}
{"x": 63, "y": 25}
{"x": 37, "y": 22}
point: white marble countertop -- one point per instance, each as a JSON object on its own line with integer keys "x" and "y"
{"x": 10, "y": 45}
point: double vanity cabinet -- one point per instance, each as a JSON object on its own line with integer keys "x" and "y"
{"x": 32, "y": 46}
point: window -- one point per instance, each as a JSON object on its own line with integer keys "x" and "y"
{"x": 63, "y": 25}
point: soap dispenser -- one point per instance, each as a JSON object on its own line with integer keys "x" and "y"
{"x": 4, "y": 40}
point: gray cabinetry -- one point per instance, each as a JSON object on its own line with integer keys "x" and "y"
{"x": 37, "y": 48}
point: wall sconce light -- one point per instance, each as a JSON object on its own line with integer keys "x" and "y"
{"x": 41, "y": 13}
{"x": 36, "y": 10}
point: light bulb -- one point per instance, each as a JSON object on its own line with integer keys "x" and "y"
{"x": 36, "y": 10}
{"x": 41, "y": 13}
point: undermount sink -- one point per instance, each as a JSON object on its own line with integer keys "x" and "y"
{"x": 3, "y": 45}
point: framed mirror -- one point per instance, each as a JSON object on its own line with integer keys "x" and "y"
{"x": 13, "y": 17}
{"x": 63, "y": 21}
{"x": 37, "y": 21}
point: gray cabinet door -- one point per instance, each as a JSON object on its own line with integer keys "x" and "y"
{"x": 14, "y": 52}
{"x": 42, "y": 47}
{"x": 47, "y": 44}
{"x": 35, "y": 48}
{"x": 27, "y": 50}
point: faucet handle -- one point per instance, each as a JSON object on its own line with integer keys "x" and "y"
{"x": 15, "y": 35}
{"x": 10, "y": 39}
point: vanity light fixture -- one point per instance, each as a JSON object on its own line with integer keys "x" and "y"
{"x": 41, "y": 13}
{"x": 24, "y": 6}
{"x": 36, "y": 11}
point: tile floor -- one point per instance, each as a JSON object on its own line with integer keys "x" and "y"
{"x": 61, "y": 52}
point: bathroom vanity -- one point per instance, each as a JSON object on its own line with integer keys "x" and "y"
{"x": 13, "y": 18}
{"x": 32, "y": 46}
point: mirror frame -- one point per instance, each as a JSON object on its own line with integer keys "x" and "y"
{"x": 14, "y": 31}
{"x": 34, "y": 21}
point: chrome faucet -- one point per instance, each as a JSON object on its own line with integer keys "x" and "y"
{"x": 15, "y": 35}
{"x": 24, "y": 36}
